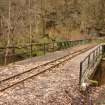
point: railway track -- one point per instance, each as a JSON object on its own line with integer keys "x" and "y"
{"x": 21, "y": 77}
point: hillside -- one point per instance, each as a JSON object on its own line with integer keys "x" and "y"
{"x": 23, "y": 21}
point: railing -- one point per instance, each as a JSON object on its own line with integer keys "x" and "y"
{"x": 21, "y": 52}
{"x": 89, "y": 64}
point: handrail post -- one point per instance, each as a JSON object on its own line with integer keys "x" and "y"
{"x": 97, "y": 54}
{"x": 80, "y": 75}
{"x": 31, "y": 50}
{"x": 93, "y": 57}
{"x": 53, "y": 47}
{"x": 88, "y": 60}
{"x": 44, "y": 48}
{"x": 14, "y": 54}
{"x": 100, "y": 50}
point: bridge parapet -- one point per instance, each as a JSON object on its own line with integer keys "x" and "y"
{"x": 89, "y": 64}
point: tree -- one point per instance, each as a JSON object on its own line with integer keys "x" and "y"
{"x": 9, "y": 31}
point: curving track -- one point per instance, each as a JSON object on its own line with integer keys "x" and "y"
{"x": 21, "y": 77}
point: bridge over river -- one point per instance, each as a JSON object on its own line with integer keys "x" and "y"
{"x": 53, "y": 79}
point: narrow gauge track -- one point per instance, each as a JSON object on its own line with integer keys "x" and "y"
{"x": 21, "y": 77}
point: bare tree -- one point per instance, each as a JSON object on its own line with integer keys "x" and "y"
{"x": 43, "y": 17}
{"x": 30, "y": 28}
{"x": 9, "y": 31}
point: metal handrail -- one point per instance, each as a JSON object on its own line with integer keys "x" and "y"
{"x": 31, "y": 50}
{"x": 91, "y": 60}
{"x": 28, "y": 45}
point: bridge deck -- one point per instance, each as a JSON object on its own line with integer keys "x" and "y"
{"x": 58, "y": 87}
{"x": 24, "y": 65}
